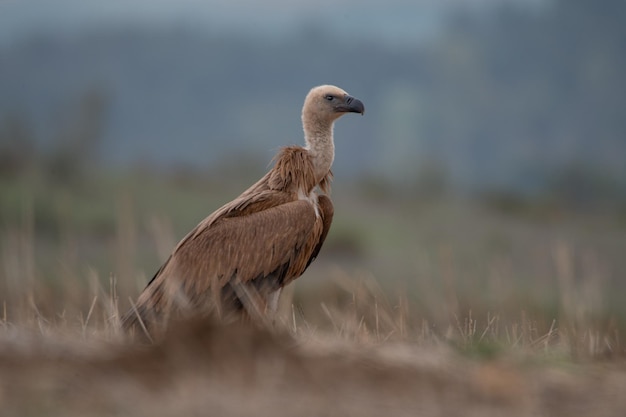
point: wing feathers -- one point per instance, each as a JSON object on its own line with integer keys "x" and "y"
{"x": 276, "y": 243}
{"x": 327, "y": 210}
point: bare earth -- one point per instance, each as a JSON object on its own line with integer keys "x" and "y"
{"x": 209, "y": 370}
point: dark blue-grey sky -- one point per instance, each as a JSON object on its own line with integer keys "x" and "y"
{"x": 390, "y": 20}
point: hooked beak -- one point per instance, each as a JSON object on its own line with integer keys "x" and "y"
{"x": 351, "y": 105}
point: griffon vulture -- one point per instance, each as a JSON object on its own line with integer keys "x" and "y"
{"x": 239, "y": 258}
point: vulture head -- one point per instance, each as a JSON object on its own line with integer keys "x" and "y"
{"x": 326, "y": 103}
{"x": 322, "y": 106}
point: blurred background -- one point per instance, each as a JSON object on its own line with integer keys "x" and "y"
{"x": 487, "y": 174}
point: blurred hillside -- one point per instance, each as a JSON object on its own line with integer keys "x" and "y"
{"x": 509, "y": 98}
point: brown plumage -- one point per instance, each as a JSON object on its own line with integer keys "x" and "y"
{"x": 239, "y": 258}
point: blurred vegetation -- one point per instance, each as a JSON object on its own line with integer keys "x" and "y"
{"x": 438, "y": 257}
{"x": 525, "y": 100}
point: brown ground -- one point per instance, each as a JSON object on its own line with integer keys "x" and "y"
{"x": 210, "y": 370}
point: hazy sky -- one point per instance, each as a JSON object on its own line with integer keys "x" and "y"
{"x": 393, "y": 20}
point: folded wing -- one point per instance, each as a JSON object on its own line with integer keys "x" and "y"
{"x": 256, "y": 252}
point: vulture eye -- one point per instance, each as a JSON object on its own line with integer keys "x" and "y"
{"x": 329, "y": 97}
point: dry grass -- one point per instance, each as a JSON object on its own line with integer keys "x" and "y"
{"x": 347, "y": 341}
{"x": 368, "y": 358}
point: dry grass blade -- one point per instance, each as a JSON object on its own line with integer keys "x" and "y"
{"x": 91, "y": 309}
{"x": 490, "y": 322}
{"x": 140, "y": 321}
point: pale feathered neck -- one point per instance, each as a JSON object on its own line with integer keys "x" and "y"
{"x": 318, "y": 136}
